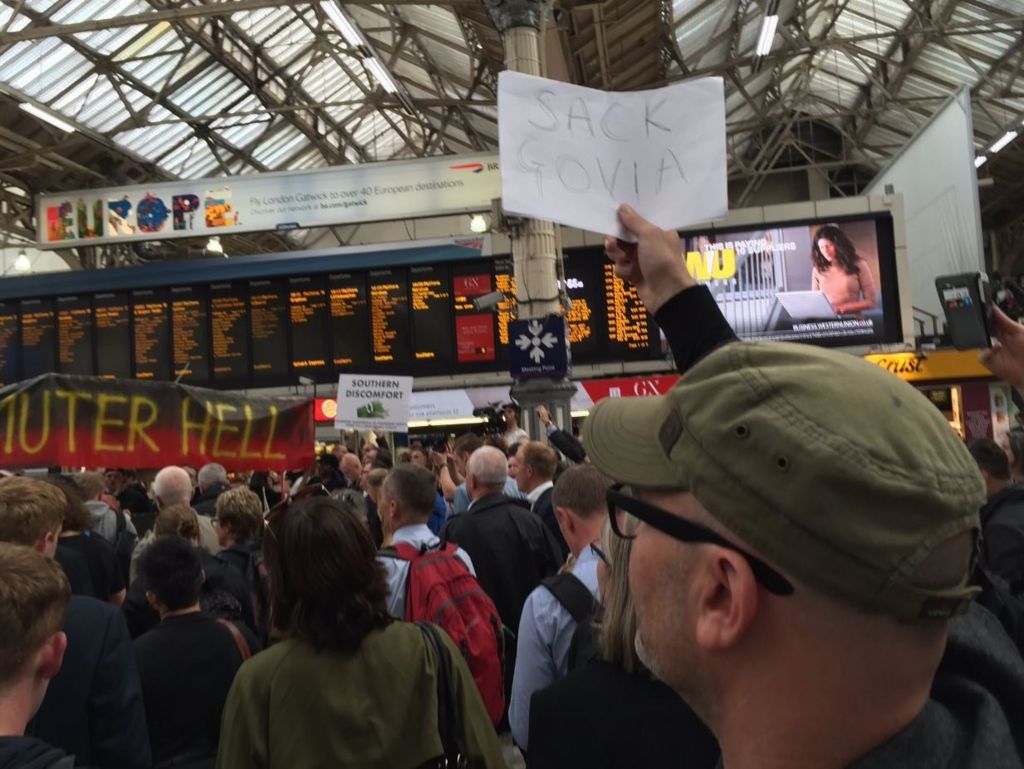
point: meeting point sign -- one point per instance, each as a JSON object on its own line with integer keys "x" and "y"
{"x": 73, "y": 421}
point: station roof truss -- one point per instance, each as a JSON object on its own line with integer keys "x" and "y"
{"x": 164, "y": 89}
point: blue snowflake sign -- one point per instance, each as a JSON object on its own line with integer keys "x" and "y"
{"x": 538, "y": 348}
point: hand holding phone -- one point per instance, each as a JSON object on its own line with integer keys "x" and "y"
{"x": 1005, "y": 359}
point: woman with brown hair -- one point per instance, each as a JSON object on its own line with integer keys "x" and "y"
{"x": 347, "y": 686}
{"x": 581, "y": 720}
{"x": 840, "y": 272}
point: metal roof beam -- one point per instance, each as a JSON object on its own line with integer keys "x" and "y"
{"x": 45, "y": 29}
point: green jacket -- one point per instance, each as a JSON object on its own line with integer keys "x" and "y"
{"x": 293, "y": 708}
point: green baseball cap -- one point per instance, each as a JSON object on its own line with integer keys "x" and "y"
{"x": 833, "y": 470}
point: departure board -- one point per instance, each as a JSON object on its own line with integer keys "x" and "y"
{"x": 430, "y": 300}
{"x": 113, "y": 334}
{"x": 630, "y": 326}
{"x": 10, "y": 344}
{"x": 415, "y": 319}
{"x": 38, "y": 337}
{"x": 307, "y": 312}
{"x": 350, "y": 321}
{"x": 190, "y": 339}
{"x": 151, "y": 335}
{"x": 389, "y": 319}
{"x": 229, "y": 336}
{"x": 474, "y": 330}
{"x": 506, "y": 284}
{"x": 75, "y": 335}
{"x": 584, "y": 285}
{"x": 268, "y": 330}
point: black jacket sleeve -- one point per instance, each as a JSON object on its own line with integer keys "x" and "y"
{"x": 116, "y": 711}
{"x": 569, "y": 446}
{"x": 693, "y": 325}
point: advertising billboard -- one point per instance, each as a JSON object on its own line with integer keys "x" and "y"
{"x": 827, "y": 282}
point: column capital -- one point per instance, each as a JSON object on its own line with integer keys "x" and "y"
{"x": 508, "y": 14}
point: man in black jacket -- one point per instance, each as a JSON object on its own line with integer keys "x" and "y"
{"x": 187, "y": 663}
{"x": 93, "y": 708}
{"x": 1002, "y": 516}
{"x": 536, "y": 478}
{"x": 560, "y": 439}
{"x": 511, "y": 548}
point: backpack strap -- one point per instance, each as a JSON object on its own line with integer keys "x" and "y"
{"x": 572, "y": 594}
{"x": 403, "y": 551}
{"x": 449, "y": 718}
{"x": 240, "y": 643}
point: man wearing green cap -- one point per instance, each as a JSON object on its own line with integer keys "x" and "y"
{"x": 807, "y": 528}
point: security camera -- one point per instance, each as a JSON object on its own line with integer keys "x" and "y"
{"x": 488, "y": 302}
{"x": 305, "y": 381}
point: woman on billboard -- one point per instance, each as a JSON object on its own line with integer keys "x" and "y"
{"x": 840, "y": 273}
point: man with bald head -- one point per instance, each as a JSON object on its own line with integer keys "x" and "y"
{"x": 805, "y": 525}
{"x": 173, "y": 486}
{"x": 510, "y": 547}
{"x": 351, "y": 470}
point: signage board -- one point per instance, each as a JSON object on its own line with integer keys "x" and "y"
{"x": 830, "y": 282}
{"x": 73, "y": 421}
{"x": 538, "y": 348}
{"x": 933, "y": 366}
{"x": 323, "y": 197}
{"x": 370, "y": 402}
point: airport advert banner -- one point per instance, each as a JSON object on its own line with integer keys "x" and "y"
{"x": 262, "y": 202}
{"x": 830, "y": 282}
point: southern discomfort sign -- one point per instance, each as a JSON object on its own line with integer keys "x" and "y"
{"x": 83, "y": 421}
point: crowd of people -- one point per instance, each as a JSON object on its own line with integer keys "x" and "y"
{"x": 744, "y": 572}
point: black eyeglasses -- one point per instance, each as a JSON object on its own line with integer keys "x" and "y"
{"x": 686, "y": 531}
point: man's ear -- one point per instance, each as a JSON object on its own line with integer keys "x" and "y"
{"x": 565, "y": 519}
{"x": 152, "y": 600}
{"x": 726, "y": 596}
{"x": 47, "y": 543}
{"x": 51, "y": 656}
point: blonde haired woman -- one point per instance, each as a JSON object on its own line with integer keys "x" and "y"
{"x": 610, "y": 713}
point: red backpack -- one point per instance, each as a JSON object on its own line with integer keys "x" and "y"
{"x": 441, "y": 590}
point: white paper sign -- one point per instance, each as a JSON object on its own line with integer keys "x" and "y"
{"x": 372, "y": 402}
{"x": 573, "y": 155}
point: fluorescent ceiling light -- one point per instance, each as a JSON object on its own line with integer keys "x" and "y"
{"x": 342, "y": 22}
{"x": 47, "y": 117}
{"x": 768, "y": 27}
{"x": 419, "y": 423}
{"x": 478, "y": 224}
{"x": 382, "y": 75}
{"x": 22, "y": 263}
{"x": 154, "y": 32}
{"x": 1008, "y": 137}
{"x": 214, "y": 246}
{"x": 980, "y": 161}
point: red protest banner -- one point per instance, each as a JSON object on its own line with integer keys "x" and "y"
{"x": 83, "y": 421}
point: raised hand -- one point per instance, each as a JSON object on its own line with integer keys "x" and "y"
{"x": 1005, "y": 358}
{"x": 654, "y": 264}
